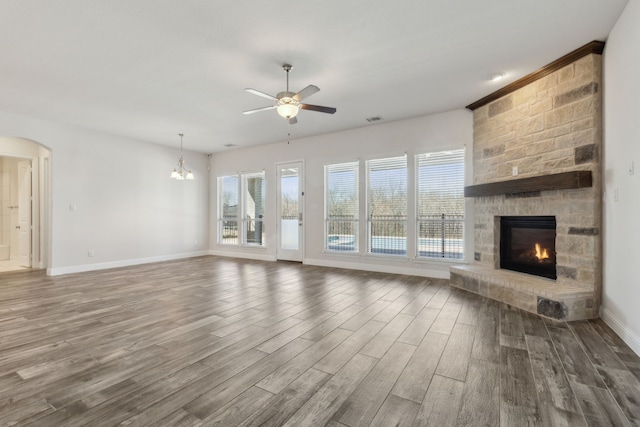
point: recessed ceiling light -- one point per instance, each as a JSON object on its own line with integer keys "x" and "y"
{"x": 496, "y": 76}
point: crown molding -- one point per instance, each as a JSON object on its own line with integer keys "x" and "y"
{"x": 595, "y": 47}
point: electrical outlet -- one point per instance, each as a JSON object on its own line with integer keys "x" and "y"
{"x": 90, "y": 253}
{"x": 615, "y": 195}
{"x": 73, "y": 207}
{"x": 514, "y": 171}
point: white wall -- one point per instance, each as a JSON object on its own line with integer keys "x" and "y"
{"x": 128, "y": 209}
{"x": 621, "y": 284}
{"x": 430, "y": 133}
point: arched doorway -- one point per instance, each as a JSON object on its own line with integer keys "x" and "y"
{"x": 25, "y": 204}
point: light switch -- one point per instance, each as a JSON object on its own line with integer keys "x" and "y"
{"x": 73, "y": 207}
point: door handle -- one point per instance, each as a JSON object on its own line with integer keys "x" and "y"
{"x": 17, "y": 227}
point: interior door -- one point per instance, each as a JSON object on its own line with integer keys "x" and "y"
{"x": 24, "y": 213}
{"x": 290, "y": 211}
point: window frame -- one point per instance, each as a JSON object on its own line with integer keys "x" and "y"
{"x": 240, "y": 217}
{"x": 355, "y": 219}
{"x": 403, "y": 220}
{"x": 446, "y": 225}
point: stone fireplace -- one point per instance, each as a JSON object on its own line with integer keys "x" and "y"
{"x": 537, "y": 145}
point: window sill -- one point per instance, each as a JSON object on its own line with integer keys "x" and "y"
{"x": 447, "y": 261}
{"x": 229, "y": 245}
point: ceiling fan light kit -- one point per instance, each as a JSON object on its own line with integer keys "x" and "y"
{"x": 287, "y": 106}
{"x": 287, "y": 103}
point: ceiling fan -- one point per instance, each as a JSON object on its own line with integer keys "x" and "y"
{"x": 288, "y": 103}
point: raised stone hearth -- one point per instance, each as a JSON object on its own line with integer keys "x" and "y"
{"x": 549, "y": 125}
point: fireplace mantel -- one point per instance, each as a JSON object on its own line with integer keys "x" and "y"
{"x": 557, "y": 181}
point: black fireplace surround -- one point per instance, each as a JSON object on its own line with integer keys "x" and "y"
{"x": 528, "y": 245}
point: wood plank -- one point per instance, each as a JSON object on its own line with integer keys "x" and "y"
{"x": 469, "y": 313}
{"x": 416, "y": 377}
{"x": 396, "y": 411}
{"x": 443, "y": 324}
{"x": 419, "y": 327}
{"x": 240, "y": 408}
{"x": 575, "y": 361}
{"x": 441, "y": 404}
{"x": 276, "y": 411}
{"x": 596, "y": 348}
{"x": 205, "y": 404}
{"x": 551, "y": 182}
{"x": 455, "y": 358}
{"x": 319, "y": 409}
{"x": 481, "y": 395}
{"x": 518, "y": 406}
{"x": 361, "y": 407}
{"x": 533, "y": 324}
{"x": 486, "y": 345}
{"x": 625, "y": 388}
{"x": 276, "y": 381}
{"x": 379, "y": 344}
{"x": 338, "y": 357}
{"x": 558, "y": 404}
{"x": 511, "y": 328}
{"x": 598, "y": 406}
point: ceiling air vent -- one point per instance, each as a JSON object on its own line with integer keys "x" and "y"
{"x": 230, "y": 145}
{"x": 374, "y": 119}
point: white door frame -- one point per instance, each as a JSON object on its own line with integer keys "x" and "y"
{"x": 25, "y": 209}
{"x": 40, "y": 156}
{"x": 289, "y": 254}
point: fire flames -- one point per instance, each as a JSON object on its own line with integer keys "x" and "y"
{"x": 541, "y": 253}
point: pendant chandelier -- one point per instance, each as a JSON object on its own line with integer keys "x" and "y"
{"x": 181, "y": 173}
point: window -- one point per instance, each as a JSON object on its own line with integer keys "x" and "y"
{"x": 228, "y": 210}
{"x": 341, "y": 207}
{"x": 387, "y": 206}
{"x": 440, "y": 204}
{"x": 240, "y": 219}
{"x": 253, "y": 208}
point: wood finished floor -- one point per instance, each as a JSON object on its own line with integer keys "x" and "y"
{"x": 219, "y": 341}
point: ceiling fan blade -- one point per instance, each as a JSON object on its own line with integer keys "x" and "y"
{"x": 262, "y": 94}
{"x": 307, "y": 91}
{"x": 293, "y": 121}
{"x": 255, "y": 110}
{"x": 329, "y": 110}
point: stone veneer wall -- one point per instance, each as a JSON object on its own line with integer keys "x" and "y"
{"x": 550, "y": 126}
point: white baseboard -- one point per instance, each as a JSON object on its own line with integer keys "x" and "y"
{"x": 57, "y": 271}
{"x": 627, "y": 335}
{"x": 423, "y": 272}
{"x": 245, "y": 255}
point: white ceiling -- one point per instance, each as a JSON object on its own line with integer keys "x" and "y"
{"x": 150, "y": 69}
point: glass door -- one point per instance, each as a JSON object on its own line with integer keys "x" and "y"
{"x": 290, "y": 211}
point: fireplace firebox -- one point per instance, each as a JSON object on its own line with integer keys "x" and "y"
{"x": 528, "y": 245}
